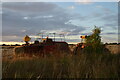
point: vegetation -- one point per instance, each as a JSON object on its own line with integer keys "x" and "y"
{"x": 65, "y": 66}
{"x": 93, "y": 42}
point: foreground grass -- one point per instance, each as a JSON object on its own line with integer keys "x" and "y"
{"x": 67, "y": 66}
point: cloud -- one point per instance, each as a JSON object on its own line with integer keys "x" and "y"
{"x": 95, "y": 15}
{"x": 110, "y": 33}
{"x": 23, "y": 30}
{"x": 71, "y": 7}
{"x": 59, "y": 0}
{"x": 31, "y": 18}
{"x": 77, "y": 30}
{"x": 73, "y": 40}
{"x": 30, "y": 7}
{"x": 98, "y": 6}
{"x": 111, "y": 25}
{"x": 110, "y": 36}
{"x": 84, "y": 1}
{"x": 12, "y": 38}
{"x": 110, "y": 18}
{"x": 105, "y": 10}
{"x": 23, "y": 18}
{"x": 107, "y": 20}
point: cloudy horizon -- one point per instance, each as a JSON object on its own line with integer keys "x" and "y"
{"x": 69, "y": 18}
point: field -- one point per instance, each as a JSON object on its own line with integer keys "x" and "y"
{"x": 63, "y": 66}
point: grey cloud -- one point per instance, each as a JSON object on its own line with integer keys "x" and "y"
{"x": 110, "y": 33}
{"x": 86, "y": 33}
{"x": 14, "y": 22}
{"x": 29, "y": 7}
{"x": 106, "y": 15}
{"x": 79, "y": 17}
{"x": 109, "y": 18}
{"x": 73, "y": 40}
{"x": 107, "y": 11}
{"x": 12, "y": 38}
{"x": 113, "y": 25}
{"x": 119, "y": 19}
{"x": 109, "y": 24}
{"x": 110, "y": 21}
{"x": 104, "y": 9}
{"x": 77, "y": 30}
{"x": 95, "y": 14}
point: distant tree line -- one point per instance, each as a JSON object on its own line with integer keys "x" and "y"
{"x": 112, "y": 43}
{"x": 10, "y": 45}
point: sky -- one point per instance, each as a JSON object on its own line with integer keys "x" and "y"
{"x": 72, "y": 19}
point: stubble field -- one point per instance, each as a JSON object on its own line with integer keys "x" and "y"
{"x": 63, "y": 66}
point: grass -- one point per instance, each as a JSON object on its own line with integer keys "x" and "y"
{"x": 65, "y": 66}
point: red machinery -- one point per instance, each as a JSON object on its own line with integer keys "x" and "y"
{"x": 43, "y": 47}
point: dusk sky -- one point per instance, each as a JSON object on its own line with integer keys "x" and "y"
{"x": 70, "y": 18}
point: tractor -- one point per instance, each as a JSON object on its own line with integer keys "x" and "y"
{"x": 46, "y": 46}
{"x": 80, "y": 46}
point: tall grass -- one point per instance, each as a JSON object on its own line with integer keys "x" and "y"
{"x": 66, "y": 66}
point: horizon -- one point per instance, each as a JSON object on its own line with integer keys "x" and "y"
{"x": 20, "y": 43}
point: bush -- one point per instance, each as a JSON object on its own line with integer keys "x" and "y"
{"x": 93, "y": 42}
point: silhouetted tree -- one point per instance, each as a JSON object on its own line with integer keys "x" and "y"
{"x": 93, "y": 41}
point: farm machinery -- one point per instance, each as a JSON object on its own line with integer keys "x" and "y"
{"x": 43, "y": 46}
{"x": 90, "y": 45}
{"x": 80, "y": 46}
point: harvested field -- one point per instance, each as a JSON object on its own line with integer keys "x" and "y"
{"x": 7, "y": 52}
{"x": 113, "y": 48}
{"x": 62, "y": 66}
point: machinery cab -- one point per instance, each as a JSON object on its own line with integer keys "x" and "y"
{"x": 82, "y": 44}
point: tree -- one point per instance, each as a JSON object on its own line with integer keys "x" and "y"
{"x": 93, "y": 41}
